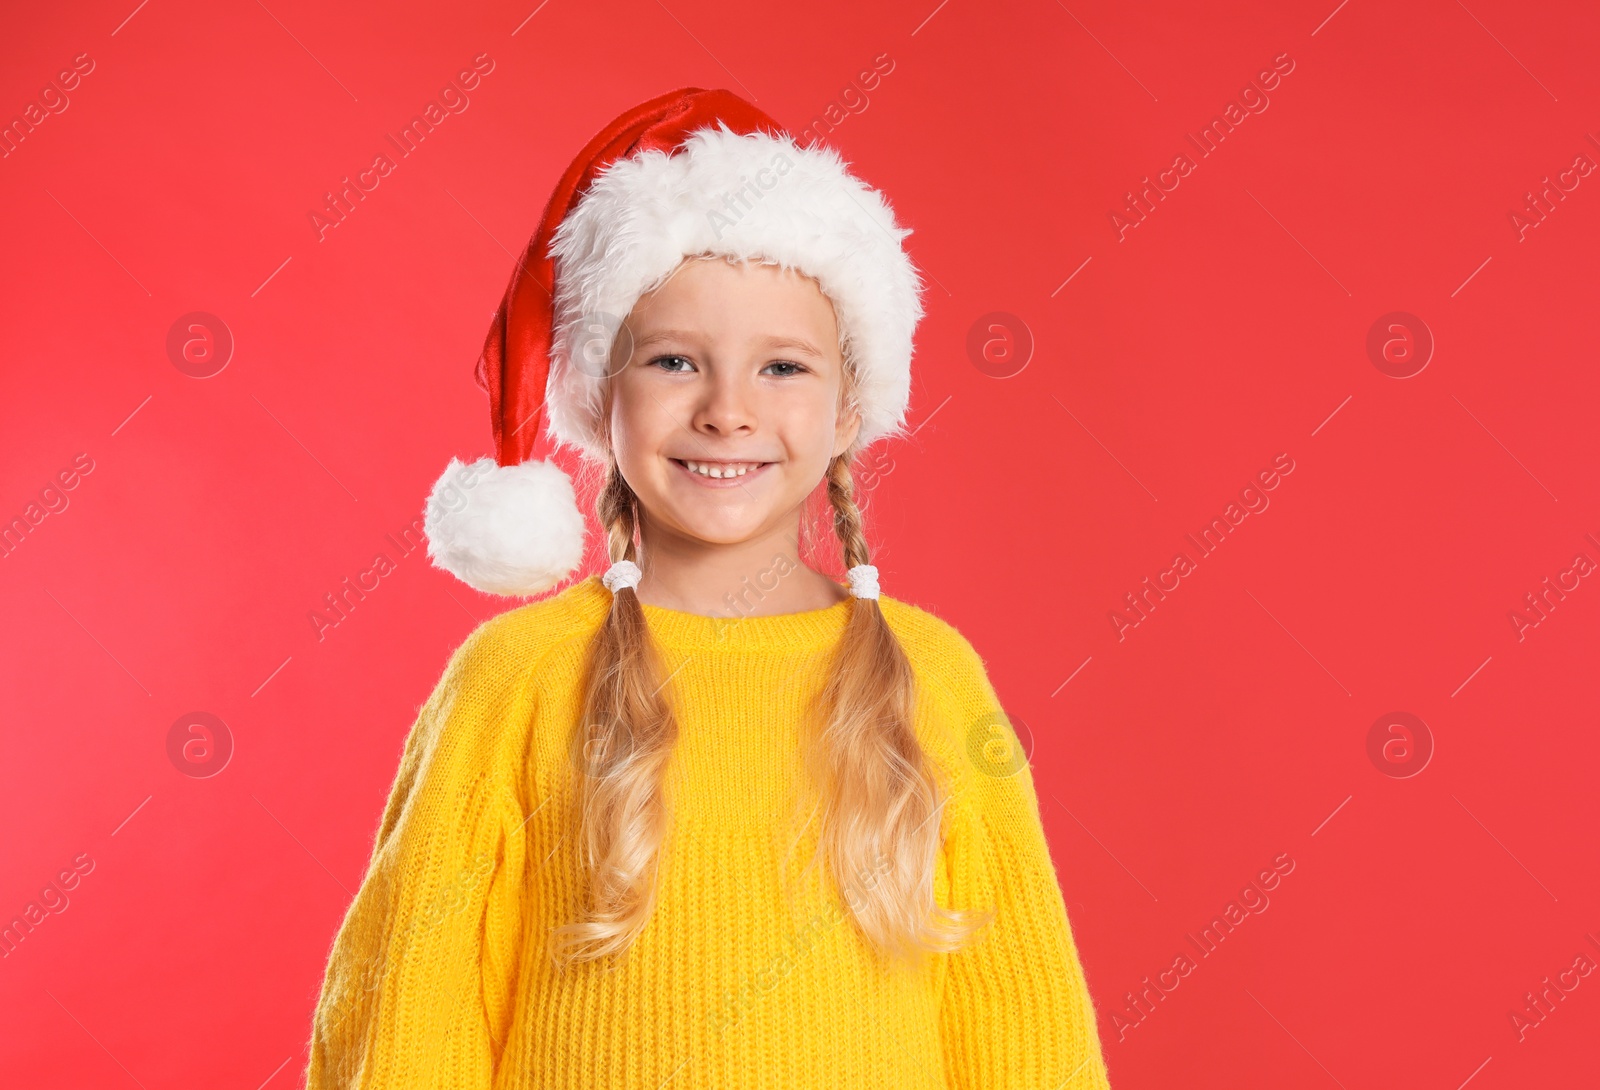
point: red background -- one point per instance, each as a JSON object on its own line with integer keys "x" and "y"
{"x": 1229, "y": 726}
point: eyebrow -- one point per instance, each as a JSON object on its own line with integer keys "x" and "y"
{"x": 664, "y": 335}
{"x": 799, "y": 343}
{"x": 770, "y": 342}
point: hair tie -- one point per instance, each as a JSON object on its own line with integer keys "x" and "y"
{"x": 624, "y": 573}
{"x": 863, "y": 581}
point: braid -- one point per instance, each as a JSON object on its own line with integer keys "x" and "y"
{"x": 622, "y": 748}
{"x": 615, "y": 505}
{"x": 846, "y": 515}
{"x": 882, "y": 790}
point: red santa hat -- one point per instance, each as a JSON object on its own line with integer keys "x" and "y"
{"x": 691, "y": 172}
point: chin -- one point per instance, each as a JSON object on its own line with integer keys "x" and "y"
{"x": 714, "y": 528}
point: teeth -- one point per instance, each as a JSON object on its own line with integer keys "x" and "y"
{"x": 721, "y": 469}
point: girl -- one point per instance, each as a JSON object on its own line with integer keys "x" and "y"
{"x": 707, "y": 820}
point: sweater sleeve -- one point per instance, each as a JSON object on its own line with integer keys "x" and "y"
{"x": 1016, "y": 1010}
{"x": 419, "y": 985}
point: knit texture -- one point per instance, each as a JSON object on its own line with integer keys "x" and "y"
{"x": 751, "y": 972}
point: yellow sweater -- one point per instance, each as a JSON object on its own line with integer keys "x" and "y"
{"x": 440, "y": 976}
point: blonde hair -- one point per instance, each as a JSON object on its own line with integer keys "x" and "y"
{"x": 879, "y": 793}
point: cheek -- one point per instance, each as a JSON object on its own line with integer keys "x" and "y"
{"x": 635, "y": 420}
{"x": 811, "y": 432}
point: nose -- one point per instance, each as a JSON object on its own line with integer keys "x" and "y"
{"x": 726, "y": 409}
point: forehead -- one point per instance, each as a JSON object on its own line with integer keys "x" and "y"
{"x": 751, "y": 300}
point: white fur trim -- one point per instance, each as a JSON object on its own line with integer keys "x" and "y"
{"x": 512, "y": 530}
{"x": 643, "y": 215}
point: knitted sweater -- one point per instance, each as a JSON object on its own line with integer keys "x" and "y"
{"x": 440, "y": 975}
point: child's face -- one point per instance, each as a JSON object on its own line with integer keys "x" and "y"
{"x": 728, "y": 363}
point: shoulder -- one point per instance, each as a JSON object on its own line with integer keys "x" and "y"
{"x": 952, "y": 678}
{"x": 939, "y": 653}
{"x": 508, "y": 648}
{"x": 473, "y": 733}
{"x": 485, "y": 699}
{"x": 960, "y": 718}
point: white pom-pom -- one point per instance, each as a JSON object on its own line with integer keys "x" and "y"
{"x": 511, "y": 530}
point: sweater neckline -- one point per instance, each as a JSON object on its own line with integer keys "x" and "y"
{"x": 806, "y": 630}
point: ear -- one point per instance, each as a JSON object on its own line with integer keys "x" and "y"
{"x": 846, "y": 429}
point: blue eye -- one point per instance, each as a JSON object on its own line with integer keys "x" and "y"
{"x": 670, "y": 370}
{"x": 787, "y": 363}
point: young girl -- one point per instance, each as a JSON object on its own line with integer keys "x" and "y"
{"x": 710, "y": 819}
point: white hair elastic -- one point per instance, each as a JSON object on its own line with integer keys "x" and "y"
{"x": 863, "y": 581}
{"x": 624, "y": 573}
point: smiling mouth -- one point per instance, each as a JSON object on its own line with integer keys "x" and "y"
{"x": 718, "y": 470}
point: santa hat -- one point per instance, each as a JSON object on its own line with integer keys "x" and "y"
{"x": 692, "y": 172}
